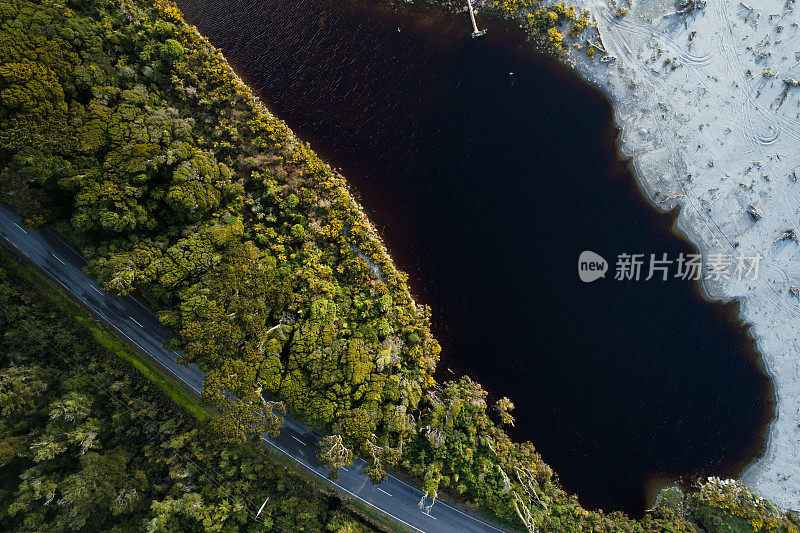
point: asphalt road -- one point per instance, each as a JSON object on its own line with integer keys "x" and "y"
{"x": 141, "y": 329}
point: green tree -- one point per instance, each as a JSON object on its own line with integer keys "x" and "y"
{"x": 334, "y": 454}
{"x": 21, "y": 389}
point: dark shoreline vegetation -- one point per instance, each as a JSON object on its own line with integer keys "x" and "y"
{"x": 126, "y": 131}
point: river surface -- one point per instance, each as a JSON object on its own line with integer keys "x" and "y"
{"x": 488, "y": 169}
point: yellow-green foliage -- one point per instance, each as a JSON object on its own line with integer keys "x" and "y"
{"x": 579, "y": 25}
{"x": 543, "y": 19}
{"x": 546, "y": 20}
{"x": 87, "y": 443}
{"x": 540, "y": 20}
{"x": 128, "y": 127}
{"x": 727, "y": 506}
{"x": 512, "y": 7}
{"x": 123, "y": 126}
{"x": 555, "y": 37}
{"x": 564, "y": 12}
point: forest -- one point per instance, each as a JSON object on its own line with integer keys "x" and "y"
{"x": 87, "y": 443}
{"x": 126, "y": 131}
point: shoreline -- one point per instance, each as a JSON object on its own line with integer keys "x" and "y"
{"x": 775, "y": 474}
{"x": 595, "y": 73}
{"x": 592, "y": 72}
{"x": 207, "y": 261}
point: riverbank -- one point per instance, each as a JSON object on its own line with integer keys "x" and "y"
{"x": 710, "y": 117}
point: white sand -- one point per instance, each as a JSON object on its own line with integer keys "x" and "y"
{"x": 711, "y": 138}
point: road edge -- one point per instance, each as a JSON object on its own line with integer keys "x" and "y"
{"x": 151, "y": 370}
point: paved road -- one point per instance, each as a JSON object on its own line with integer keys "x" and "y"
{"x": 140, "y": 327}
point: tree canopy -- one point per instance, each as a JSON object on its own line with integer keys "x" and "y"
{"x": 126, "y": 131}
{"x": 87, "y": 443}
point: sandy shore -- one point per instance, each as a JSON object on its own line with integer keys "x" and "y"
{"x": 712, "y": 126}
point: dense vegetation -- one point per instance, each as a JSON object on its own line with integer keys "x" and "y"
{"x": 545, "y": 23}
{"x": 124, "y": 129}
{"x": 87, "y": 443}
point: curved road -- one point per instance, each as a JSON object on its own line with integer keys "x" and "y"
{"x": 141, "y": 329}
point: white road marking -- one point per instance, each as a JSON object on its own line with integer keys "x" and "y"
{"x": 57, "y": 258}
{"x": 65, "y": 287}
{"x": 430, "y": 515}
{"x": 136, "y": 322}
{"x": 95, "y": 289}
{"x": 134, "y": 342}
{"x": 278, "y": 447}
{"x": 156, "y": 360}
{"x": 298, "y": 440}
{"x": 344, "y": 489}
{"x": 383, "y": 491}
{"x": 20, "y": 227}
{"x": 439, "y": 502}
{"x": 109, "y": 322}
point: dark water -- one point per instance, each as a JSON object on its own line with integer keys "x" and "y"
{"x": 486, "y": 186}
